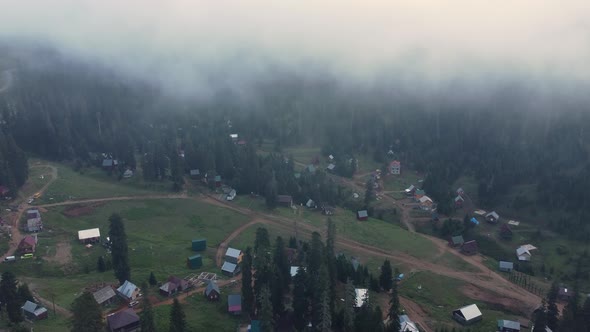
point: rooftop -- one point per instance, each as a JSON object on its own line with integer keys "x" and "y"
{"x": 88, "y": 233}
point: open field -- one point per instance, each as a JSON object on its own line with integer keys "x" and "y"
{"x": 373, "y": 232}
{"x": 439, "y": 296}
{"x": 94, "y": 183}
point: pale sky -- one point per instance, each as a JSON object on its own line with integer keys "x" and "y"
{"x": 180, "y": 41}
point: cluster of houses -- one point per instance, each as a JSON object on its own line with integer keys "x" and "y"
{"x": 424, "y": 202}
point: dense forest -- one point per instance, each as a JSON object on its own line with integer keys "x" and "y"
{"x": 62, "y": 109}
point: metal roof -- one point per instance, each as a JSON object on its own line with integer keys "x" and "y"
{"x": 469, "y": 312}
{"x": 127, "y": 288}
{"x": 88, "y": 233}
{"x": 212, "y": 286}
{"x": 362, "y": 295}
{"x": 228, "y": 267}
{"x": 363, "y": 213}
{"x": 29, "y": 307}
{"x": 231, "y": 252}
{"x": 506, "y": 265}
{"x": 103, "y": 295}
{"x": 122, "y": 319}
{"x": 509, "y": 324}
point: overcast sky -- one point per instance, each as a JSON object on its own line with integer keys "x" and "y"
{"x": 179, "y": 42}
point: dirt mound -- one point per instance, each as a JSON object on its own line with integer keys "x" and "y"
{"x": 494, "y": 299}
{"x": 63, "y": 253}
{"x": 80, "y": 210}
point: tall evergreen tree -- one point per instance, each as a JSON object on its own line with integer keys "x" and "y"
{"x": 177, "y": 317}
{"x": 100, "y": 264}
{"x": 330, "y": 258}
{"x": 146, "y": 317}
{"x": 247, "y": 290}
{"x": 300, "y": 299}
{"x": 119, "y": 249}
{"x": 386, "y": 277}
{"x": 349, "y": 305}
{"x": 541, "y": 319}
{"x": 586, "y": 313}
{"x": 86, "y": 314}
{"x": 265, "y": 313}
{"x": 369, "y": 192}
{"x": 271, "y": 192}
{"x": 152, "y": 279}
{"x": 262, "y": 240}
{"x": 281, "y": 262}
{"x": 552, "y": 310}
{"x": 394, "y": 310}
{"x": 10, "y": 298}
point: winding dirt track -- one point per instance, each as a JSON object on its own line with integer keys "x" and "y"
{"x": 484, "y": 279}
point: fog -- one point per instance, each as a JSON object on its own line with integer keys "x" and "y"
{"x": 190, "y": 46}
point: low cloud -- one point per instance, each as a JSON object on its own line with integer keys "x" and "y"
{"x": 186, "y": 45}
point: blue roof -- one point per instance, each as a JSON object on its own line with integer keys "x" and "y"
{"x": 127, "y": 289}
{"x": 506, "y": 265}
{"x": 228, "y": 267}
{"x": 475, "y": 221}
{"x": 212, "y": 286}
{"x": 509, "y": 324}
{"x": 363, "y": 213}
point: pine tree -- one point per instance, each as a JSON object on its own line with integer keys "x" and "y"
{"x": 86, "y": 314}
{"x": 262, "y": 240}
{"x": 325, "y": 322}
{"x": 177, "y": 317}
{"x": 119, "y": 249}
{"x": 270, "y": 193}
{"x": 552, "y": 310}
{"x": 100, "y": 264}
{"x": 300, "y": 299}
{"x": 586, "y": 313}
{"x": 331, "y": 260}
{"x": 394, "y": 310}
{"x": 146, "y": 317}
{"x": 369, "y": 192}
{"x": 247, "y": 291}
{"x": 281, "y": 263}
{"x": 386, "y": 277}
{"x": 24, "y": 294}
{"x": 349, "y": 305}
{"x": 10, "y": 298}
{"x": 541, "y": 319}
{"x": 377, "y": 320}
{"x": 153, "y": 281}
{"x": 266, "y": 311}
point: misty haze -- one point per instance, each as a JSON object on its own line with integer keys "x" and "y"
{"x": 294, "y": 166}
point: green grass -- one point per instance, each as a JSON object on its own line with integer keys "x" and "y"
{"x": 440, "y": 295}
{"x": 51, "y": 324}
{"x": 38, "y": 177}
{"x": 388, "y": 236}
{"x": 94, "y": 183}
{"x": 400, "y": 182}
{"x": 452, "y": 261}
{"x": 303, "y": 154}
{"x": 201, "y": 315}
{"x": 159, "y": 236}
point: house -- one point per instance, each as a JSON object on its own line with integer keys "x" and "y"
{"x": 127, "y": 174}
{"x": 331, "y": 167}
{"x": 230, "y": 269}
{"x": 295, "y": 269}
{"x": 362, "y": 215}
{"x": 328, "y": 210}
{"x": 285, "y": 200}
{"x": 199, "y": 244}
{"x": 513, "y": 222}
{"x": 233, "y": 255}
{"x": 242, "y": 142}
{"x": 505, "y": 232}
{"x": 469, "y": 248}
{"x": 406, "y": 325}
{"x": 506, "y": 266}
{"x": 508, "y": 326}
{"x": 310, "y": 168}
{"x": 27, "y": 245}
{"x": 467, "y": 315}
{"x": 331, "y": 157}
{"x": 480, "y": 213}
{"x": 474, "y": 221}
{"x": 425, "y": 203}
{"x": 108, "y": 163}
{"x": 104, "y": 296}
{"x": 418, "y": 194}
{"x": 524, "y": 252}
{"x": 212, "y": 292}
{"x": 218, "y": 180}
{"x": 564, "y": 293}
{"x": 361, "y": 296}
{"x": 310, "y": 204}
{"x": 32, "y": 311}
{"x": 459, "y": 202}
{"x": 456, "y": 241}
{"x": 89, "y": 235}
{"x": 234, "y": 137}
{"x": 254, "y": 326}
{"x": 194, "y": 262}
{"x": 173, "y": 285}
{"x": 128, "y": 291}
{"x": 460, "y": 192}
{"x": 395, "y": 167}
{"x": 195, "y": 173}
{"x": 231, "y": 195}
{"x": 410, "y": 190}
{"x": 492, "y": 217}
{"x": 234, "y": 304}
{"x": 123, "y": 321}
{"x": 34, "y": 223}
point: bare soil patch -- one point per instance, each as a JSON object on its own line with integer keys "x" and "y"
{"x": 493, "y": 298}
{"x": 63, "y": 253}
{"x": 80, "y": 210}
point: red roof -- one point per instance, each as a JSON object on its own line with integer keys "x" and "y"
{"x": 29, "y": 240}
{"x": 395, "y": 163}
